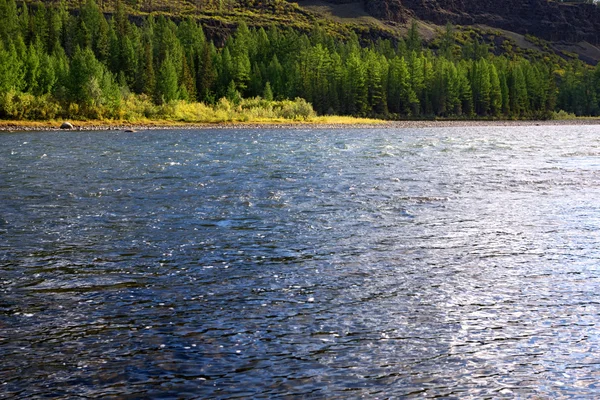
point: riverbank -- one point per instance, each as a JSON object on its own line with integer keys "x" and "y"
{"x": 320, "y": 122}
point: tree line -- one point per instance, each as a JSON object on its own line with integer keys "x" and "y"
{"x": 57, "y": 63}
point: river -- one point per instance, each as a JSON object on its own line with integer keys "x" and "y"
{"x": 415, "y": 263}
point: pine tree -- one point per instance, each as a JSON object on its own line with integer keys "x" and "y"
{"x": 33, "y": 68}
{"x": 167, "y": 87}
{"x": 417, "y": 81}
{"x": 465, "y": 90}
{"x": 495, "y": 92}
{"x": 11, "y": 71}
{"x": 188, "y": 85}
{"x": 275, "y": 75}
{"x": 207, "y": 74}
{"x": 232, "y": 94}
{"x": 47, "y": 78}
{"x": 356, "y": 89}
{"x": 9, "y": 26}
{"x": 413, "y": 39}
{"x": 377, "y": 82}
{"x": 146, "y": 80}
{"x": 481, "y": 86}
{"x": 101, "y": 44}
{"x": 25, "y": 23}
{"x": 256, "y": 86}
{"x": 89, "y": 83}
{"x": 453, "y": 103}
{"x": 401, "y": 96}
{"x": 505, "y": 95}
{"x": 268, "y": 93}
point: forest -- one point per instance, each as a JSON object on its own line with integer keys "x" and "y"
{"x": 55, "y": 63}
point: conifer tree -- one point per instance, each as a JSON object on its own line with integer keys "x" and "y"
{"x": 413, "y": 39}
{"x": 47, "y": 78}
{"x": 495, "y": 92}
{"x": 167, "y": 87}
{"x": 401, "y": 96}
{"x": 268, "y": 93}
{"x": 32, "y": 67}
{"x": 146, "y": 80}
{"x": 417, "y": 81}
{"x": 356, "y": 86}
{"x": 275, "y": 74}
{"x": 207, "y": 74}
{"x": 101, "y": 43}
{"x": 187, "y": 88}
{"x": 232, "y": 94}
{"x": 11, "y": 71}
{"x": 9, "y": 27}
{"x": 25, "y": 23}
{"x": 453, "y": 103}
{"x": 481, "y": 86}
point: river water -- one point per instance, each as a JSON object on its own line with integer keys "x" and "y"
{"x": 441, "y": 262}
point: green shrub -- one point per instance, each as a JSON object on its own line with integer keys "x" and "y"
{"x": 562, "y": 115}
{"x": 298, "y": 109}
{"x": 21, "y": 106}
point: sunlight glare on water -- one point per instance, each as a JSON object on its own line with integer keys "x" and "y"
{"x": 442, "y": 262}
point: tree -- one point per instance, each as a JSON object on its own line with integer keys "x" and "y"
{"x": 101, "y": 43}
{"x": 495, "y": 92}
{"x": 90, "y": 84}
{"x": 32, "y": 67}
{"x": 268, "y": 93}
{"x": 413, "y": 39}
{"x": 377, "y": 83}
{"x": 401, "y": 96}
{"x": 167, "y": 88}
{"x": 517, "y": 91}
{"x": 481, "y": 86}
{"x": 207, "y": 74}
{"x": 417, "y": 80}
{"x": 146, "y": 79}
{"x": 356, "y": 86}
{"x": 187, "y": 88}
{"x": 275, "y": 75}
{"x": 233, "y": 94}
{"x": 11, "y": 70}
{"x": 9, "y": 27}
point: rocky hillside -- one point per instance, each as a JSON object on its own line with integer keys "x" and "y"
{"x": 571, "y": 29}
{"x": 550, "y": 20}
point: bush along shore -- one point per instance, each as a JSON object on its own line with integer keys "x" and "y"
{"x": 58, "y": 64}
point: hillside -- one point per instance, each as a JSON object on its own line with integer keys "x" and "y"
{"x": 571, "y": 28}
{"x": 253, "y": 60}
{"x": 550, "y": 20}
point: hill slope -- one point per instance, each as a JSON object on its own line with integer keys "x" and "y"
{"x": 571, "y": 28}
{"x": 550, "y": 20}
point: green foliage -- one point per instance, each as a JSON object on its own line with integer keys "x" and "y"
{"x": 167, "y": 88}
{"x": 268, "y": 93}
{"x": 25, "y": 106}
{"x": 88, "y": 65}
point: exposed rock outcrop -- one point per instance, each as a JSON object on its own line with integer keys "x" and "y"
{"x": 543, "y": 18}
{"x": 390, "y": 10}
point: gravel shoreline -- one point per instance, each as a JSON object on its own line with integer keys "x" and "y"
{"x": 13, "y": 127}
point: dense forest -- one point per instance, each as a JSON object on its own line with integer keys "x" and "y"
{"x": 85, "y": 64}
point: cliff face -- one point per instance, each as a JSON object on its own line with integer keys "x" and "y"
{"x": 547, "y": 19}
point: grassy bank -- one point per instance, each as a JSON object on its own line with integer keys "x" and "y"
{"x": 139, "y": 112}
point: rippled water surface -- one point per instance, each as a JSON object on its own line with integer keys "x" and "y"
{"x": 458, "y": 262}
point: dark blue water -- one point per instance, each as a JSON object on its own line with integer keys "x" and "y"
{"x": 449, "y": 262}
